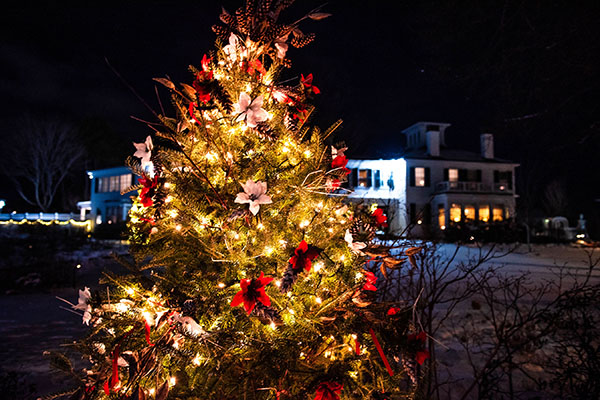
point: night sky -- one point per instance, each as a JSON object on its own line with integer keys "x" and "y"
{"x": 525, "y": 71}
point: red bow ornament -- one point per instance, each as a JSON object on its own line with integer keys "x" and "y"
{"x": 252, "y": 291}
{"x": 307, "y": 82}
{"x": 328, "y": 391}
{"x": 303, "y": 256}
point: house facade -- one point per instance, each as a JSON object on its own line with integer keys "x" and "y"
{"x": 432, "y": 186}
{"x": 107, "y": 205}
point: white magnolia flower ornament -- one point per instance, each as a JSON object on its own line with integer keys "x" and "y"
{"x": 82, "y": 305}
{"x": 231, "y": 50}
{"x": 254, "y": 194}
{"x": 144, "y": 151}
{"x": 354, "y": 246}
{"x": 251, "y": 111}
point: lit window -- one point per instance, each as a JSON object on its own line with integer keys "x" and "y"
{"x": 441, "y": 217}
{"x": 497, "y": 213}
{"x": 116, "y": 183}
{"x": 455, "y": 213}
{"x": 453, "y": 175}
{"x": 125, "y": 182}
{"x": 364, "y": 177}
{"x": 484, "y": 213}
{"x": 420, "y": 176}
{"x": 469, "y": 213}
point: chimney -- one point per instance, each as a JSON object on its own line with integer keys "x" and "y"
{"x": 433, "y": 143}
{"x": 487, "y": 146}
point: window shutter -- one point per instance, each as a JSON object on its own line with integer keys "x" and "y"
{"x": 510, "y": 179}
{"x": 353, "y": 177}
{"x": 413, "y": 213}
{"x": 411, "y": 173}
{"x": 369, "y": 178}
{"x": 377, "y": 182}
{"x": 427, "y": 214}
{"x": 496, "y": 176}
{"x": 462, "y": 175}
{"x": 478, "y": 175}
{"x": 427, "y": 176}
{"x": 446, "y": 174}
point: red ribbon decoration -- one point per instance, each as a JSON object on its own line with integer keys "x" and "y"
{"x": 115, "y": 365}
{"x": 380, "y": 350}
{"x": 357, "y": 346}
{"x": 147, "y": 326}
{"x": 191, "y": 109}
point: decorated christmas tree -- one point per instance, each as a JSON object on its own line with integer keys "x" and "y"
{"x": 253, "y": 278}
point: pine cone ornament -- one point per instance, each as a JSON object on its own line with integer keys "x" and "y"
{"x": 266, "y": 314}
{"x": 265, "y": 131}
{"x": 362, "y": 230}
{"x": 410, "y": 367}
{"x": 289, "y": 277}
{"x": 189, "y": 307}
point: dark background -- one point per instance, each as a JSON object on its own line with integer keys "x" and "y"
{"x": 526, "y": 71}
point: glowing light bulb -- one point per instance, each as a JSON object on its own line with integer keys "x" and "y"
{"x": 236, "y": 236}
{"x": 342, "y": 257}
{"x": 278, "y": 283}
{"x": 178, "y": 227}
{"x": 172, "y": 381}
{"x": 173, "y": 213}
{"x": 129, "y": 291}
{"x": 197, "y": 360}
{"x": 268, "y": 250}
{"x": 273, "y": 326}
{"x": 260, "y": 226}
{"x": 285, "y": 149}
{"x": 151, "y": 391}
{"x": 318, "y": 300}
{"x": 211, "y": 156}
{"x": 307, "y": 154}
{"x": 167, "y": 185}
{"x": 318, "y": 266}
{"x": 359, "y": 275}
{"x": 221, "y": 285}
{"x": 169, "y": 199}
{"x": 291, "y": 311}
{"x": 304, "y": 224}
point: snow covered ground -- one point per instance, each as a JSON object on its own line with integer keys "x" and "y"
{"x": 33, "y": 322}
{"x": 542, "y": 262}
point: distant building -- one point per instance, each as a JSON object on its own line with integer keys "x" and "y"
{"x": 433, "y": 186}
{"x": 107, "y": 205}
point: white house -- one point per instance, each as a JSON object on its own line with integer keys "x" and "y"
{"x": 432, "y": 186}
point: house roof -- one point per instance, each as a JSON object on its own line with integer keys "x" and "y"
{"x": 453, "y": 155}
